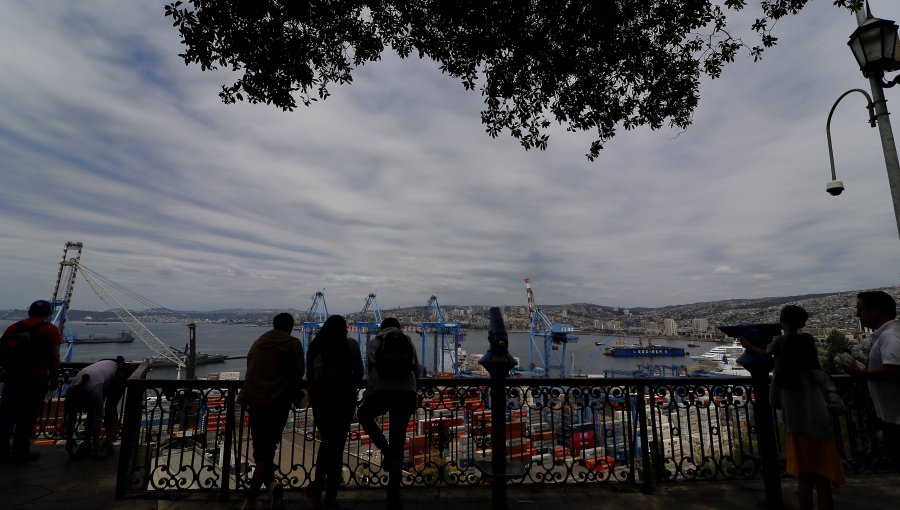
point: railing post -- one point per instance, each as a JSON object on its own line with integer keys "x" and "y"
{"x": 498, "y": 439}
{"x": 131, "y": 429}
{"x": 192, "y": 352}
{"x": 498, "y": 362}
{"x": 226, "y": 447}
{"x": 765, "y": 433}
{"x": 647, "y": 471}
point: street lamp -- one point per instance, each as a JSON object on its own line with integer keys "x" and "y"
{"x": 876, "y": 47}
{"x": 874, "y": 44}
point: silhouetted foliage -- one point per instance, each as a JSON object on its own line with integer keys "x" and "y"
{"x": 588, "y": 65}
{"x": 835, "y": 343}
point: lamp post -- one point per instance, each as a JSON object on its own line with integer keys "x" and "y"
{"x": 875, "y": 45}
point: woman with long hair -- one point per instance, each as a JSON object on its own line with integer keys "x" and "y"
{"x": 334, "y": 369}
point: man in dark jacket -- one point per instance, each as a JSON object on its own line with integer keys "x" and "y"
{"x": 27, "y": 379}
{"x": 273, "y": 382}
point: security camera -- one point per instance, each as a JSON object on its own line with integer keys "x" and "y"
{"x": 835, "y": 187}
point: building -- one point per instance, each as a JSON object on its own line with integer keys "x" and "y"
{"x": 700, "y": 325}
{"x": 670, "y": 328}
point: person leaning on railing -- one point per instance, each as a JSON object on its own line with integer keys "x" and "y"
{"x": 395, "y": 395}
{"x": 96, "y": 389}
{"x": 334, "y": 372}
{"x": 274, "y": 381}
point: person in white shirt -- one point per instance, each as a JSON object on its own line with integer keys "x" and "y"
{"x": 877, "y": 310}
{"x": 96, "y": 390}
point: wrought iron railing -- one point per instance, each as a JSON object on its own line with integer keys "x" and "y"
{"x": 51, "y": 423}
{"x": 191, "y": 437}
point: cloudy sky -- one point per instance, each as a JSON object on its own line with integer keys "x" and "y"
{"x": 392, "y": 186}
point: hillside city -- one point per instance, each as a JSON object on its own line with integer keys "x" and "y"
{"x": 831, "y": 311}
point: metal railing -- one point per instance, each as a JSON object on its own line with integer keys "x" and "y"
{"x": 182, "y": 437}
{"x": 191, "y": 437}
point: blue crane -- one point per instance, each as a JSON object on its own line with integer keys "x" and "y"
{"x": 369, "y": 323}
{"x": 552, "y": 354}
{"x": 446, "y": 337}
{"x": 315, "y": 318}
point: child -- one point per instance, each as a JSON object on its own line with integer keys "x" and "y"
{"x": 798, "y": 389}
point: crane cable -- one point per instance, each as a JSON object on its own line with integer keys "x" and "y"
{"x": 149, "y": 303}
{"x": 164, "y": 350}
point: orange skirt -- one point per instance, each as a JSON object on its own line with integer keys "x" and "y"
{"x": 808, "y": 454}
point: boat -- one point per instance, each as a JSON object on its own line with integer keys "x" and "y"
{"x": 644, "y": 352}
{"x": 717, "y": 353}
{"x": 728, "y": 367}
{"x": 121, "y": 338}
{"x": 693, "y": 344}
{"x": 598, "y": 343}
{"x": 201, "y": 359}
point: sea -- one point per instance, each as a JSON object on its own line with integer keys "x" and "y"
{"x": 584, "y": 357}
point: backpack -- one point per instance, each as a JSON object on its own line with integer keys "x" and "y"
{"x": 331, "y": 364}
{"x": 394, "y": 358}
{"x": 17, "y": 349}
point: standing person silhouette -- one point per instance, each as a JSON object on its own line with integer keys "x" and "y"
{"x": 30, "y": 359}
{"x": 334, "y": 372}
{"x": 395, "y": 395}
{"x": 877, "y": 310}
{"x": 799, "y": 389}
{"x": 273, "y": 382}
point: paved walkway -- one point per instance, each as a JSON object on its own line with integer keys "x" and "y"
{"x": 54, "y": 483}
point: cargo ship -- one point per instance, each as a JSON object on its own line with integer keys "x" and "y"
{"x": 650, "y": 351}
{"x": 122, "y": 337}
{"x": 201, "y": 359}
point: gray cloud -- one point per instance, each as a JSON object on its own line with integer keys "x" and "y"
{"x": 391, "y": 185}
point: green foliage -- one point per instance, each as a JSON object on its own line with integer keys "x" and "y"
{"x": 835, "y": 343}
{"x": 588, "y": 65}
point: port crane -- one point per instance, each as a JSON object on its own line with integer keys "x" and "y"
{"x": 368, "y": 324}
{"x": 69, "y": 266}
{"x": 62, "y": 291}
{"x": 554, "y": 337}
{"x": 315, "y": 318}
{"x": 445, "y": 336}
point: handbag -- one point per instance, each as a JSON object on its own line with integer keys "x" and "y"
{"x": 833, "y": 401}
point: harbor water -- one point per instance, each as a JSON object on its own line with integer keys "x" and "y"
{"x": 235, "y": 340}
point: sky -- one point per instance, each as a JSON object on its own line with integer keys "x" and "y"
{"x": 392, "y": 186}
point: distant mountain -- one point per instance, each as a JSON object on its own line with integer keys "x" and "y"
{"x": 159, "y": 315}
{"x": 712, "y": 307}
{"x": 835, "y": 308}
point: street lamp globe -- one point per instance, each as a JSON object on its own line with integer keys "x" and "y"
{"x": 875, "y": 46}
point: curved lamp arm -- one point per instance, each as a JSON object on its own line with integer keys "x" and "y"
{"x": 870, "y": 106}
{"x": 889, "y": 84}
